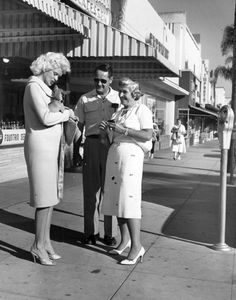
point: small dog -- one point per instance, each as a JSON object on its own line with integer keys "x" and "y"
{"x": 57, "y": 102}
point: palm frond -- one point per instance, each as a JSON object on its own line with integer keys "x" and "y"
{"x": 227, "y": 40}
{"x": 225, "y": 72}
{"x": 229, "y": 60}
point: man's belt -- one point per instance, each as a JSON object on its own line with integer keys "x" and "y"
{"x": 94, "y": 136}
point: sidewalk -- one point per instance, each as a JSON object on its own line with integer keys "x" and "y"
{"x": 179, "y": 226}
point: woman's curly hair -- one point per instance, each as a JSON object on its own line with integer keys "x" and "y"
{"x": 133, "y": 87}
{"x": 50, "y": 61}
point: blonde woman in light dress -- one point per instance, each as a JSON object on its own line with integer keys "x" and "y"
{"x": 131, "y": 134}
{"x": 41, "y": 148}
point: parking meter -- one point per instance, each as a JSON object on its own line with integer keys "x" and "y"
{"x": 225, "y": 126}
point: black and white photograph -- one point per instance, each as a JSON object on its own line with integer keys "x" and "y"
{"x": 117, "y": 149}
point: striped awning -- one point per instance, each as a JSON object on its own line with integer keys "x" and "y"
{"x": 128, "y": 54}
{"x": 201, "y": 111}
{"x": 60, "y": 12}
{"x": 31, "y": 27}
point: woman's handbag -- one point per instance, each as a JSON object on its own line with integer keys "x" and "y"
{"x": 70, "y": 128}
{"x": 173, "y": 136}
{"x": 177, "y": 141}
{"x": 56, "y": 105}
{"x": 145, "y": 146}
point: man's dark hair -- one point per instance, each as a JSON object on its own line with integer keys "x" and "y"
{"x": 105, "y": 68}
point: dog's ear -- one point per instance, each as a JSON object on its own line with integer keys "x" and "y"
{"x": 59, "y": 94}
{"x": 65, "y": 92}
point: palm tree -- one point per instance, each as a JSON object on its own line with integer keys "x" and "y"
{"x": 226, "y": 50}
{"x": 232, "y": 152}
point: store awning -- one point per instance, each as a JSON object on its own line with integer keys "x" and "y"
{"x": 201, "y": 112}
{"x": 50, "y": 25}
{"x": 31, "y": 27}
{"x": 172, "y": 87}
{"x": 60, "y": 12}
{"x": 129, "y": 56}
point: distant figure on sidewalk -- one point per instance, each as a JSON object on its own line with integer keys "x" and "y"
{"x": 93, "y": 108}
{"x": 42, "y": 148}
{"x": 178, "y": 140}
{"x": 131, "y": 134}
{"x": 155, "y": 138}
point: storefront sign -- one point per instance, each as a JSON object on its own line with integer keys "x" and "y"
{"x": 154, "y": 42}
{"x": 99, "y": 9}
{"x": 12, "y": 136}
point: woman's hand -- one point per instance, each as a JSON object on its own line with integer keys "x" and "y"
{"x": 103, "y": 125}
{"x": 117, "y": 128}
{"x": 72, "y": 115}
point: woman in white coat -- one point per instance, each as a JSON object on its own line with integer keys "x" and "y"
{"x": 42, "y": 148}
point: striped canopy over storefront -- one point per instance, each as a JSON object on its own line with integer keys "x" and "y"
{"x": 29, "y": 28}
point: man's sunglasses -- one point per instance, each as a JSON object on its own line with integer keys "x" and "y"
{"x": 97, "y": 80}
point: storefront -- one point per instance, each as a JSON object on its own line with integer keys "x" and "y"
{"x": 34, "y": 27}
{"x": 201, "y": 124}
{"x": 29, "y": 28}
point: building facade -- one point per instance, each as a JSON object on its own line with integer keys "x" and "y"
{"x": 194, "y": 78}
{"x": 159, "y": 51}
{"x": 161, "y": 93}
{"x": 83, "y": 31}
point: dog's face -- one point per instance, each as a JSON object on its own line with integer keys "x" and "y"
{"x": 59, "y": 94}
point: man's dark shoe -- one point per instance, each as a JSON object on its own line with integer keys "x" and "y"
{"x": 91, "y": 240}
{"x": 109, "y": 240}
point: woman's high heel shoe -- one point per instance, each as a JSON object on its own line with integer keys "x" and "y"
{"x": 119, "y": 252}
{"x": 134, "y": 261}
{"x": 41, "y": 260}
{"x": 53, "y": 256}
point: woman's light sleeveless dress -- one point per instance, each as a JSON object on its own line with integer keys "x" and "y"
{"x": 123, "y": 181}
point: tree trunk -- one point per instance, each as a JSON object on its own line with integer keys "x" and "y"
{"x": 232, "y": 151}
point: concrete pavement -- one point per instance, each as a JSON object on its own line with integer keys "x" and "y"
{"x": 179, "y": 226}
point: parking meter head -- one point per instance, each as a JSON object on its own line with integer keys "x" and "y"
{"x": 225, "y": 126}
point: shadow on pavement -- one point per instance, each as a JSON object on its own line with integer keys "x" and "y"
{"x": 58, "y": 233}
{"x": 178, "y": 166}
{"x": 188, "y": 177}
{"x": 213, "y": 155}
{"x": 15, "y": 251}
{"x": 195, "y": 205}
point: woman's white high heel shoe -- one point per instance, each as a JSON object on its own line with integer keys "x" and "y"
{"x": 119, "y": 252}
{"x": 53, "y": 256}
{"x": 41, "y": 260}
{"x": 135, "y": 260}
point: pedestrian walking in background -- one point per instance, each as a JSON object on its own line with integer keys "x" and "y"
{"x": 155, "y": 138}
{"x": 42, "y": 148}
{"x": 178, "y": 140}
{"x": 131, "y": 134}
{"x": 92, "y": 108}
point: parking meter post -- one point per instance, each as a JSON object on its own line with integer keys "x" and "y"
{"x": 231, "y": 157}
{"x": 225, "y": 126}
